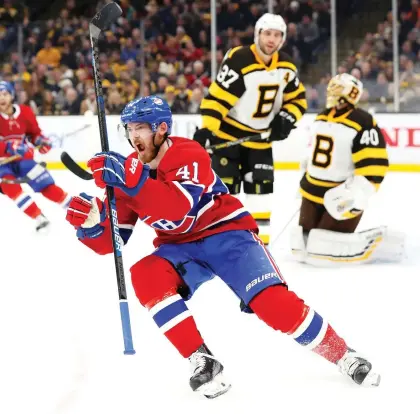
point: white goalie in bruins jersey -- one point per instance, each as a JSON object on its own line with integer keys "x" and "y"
{"x": 348, "y": 162}
{"x": 256, "y": 90}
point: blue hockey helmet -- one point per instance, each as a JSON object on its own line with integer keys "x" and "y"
{"x": 8, "y": 87}
{"x": 149, "y": 109}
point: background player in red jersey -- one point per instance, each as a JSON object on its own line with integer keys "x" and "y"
{"x": 19, "y": 134}
{"x": 202, "y": 231}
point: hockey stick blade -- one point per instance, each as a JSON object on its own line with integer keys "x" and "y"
{"x": 75, "y": 168}
{"x": 104, "y": 18}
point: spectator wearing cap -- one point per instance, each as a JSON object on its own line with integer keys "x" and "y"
{"x": 169, "y": 95}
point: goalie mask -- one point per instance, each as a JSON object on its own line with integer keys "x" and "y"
{"x": 343, "y": 88}
{"x": 270, "y": 21}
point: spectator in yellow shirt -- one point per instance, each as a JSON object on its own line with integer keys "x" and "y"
{"x": 49, "y": 55}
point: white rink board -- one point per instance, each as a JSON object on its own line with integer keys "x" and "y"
{"x": 402, "y": 132}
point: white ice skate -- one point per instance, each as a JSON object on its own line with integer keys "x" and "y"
{"x": 359, "y": 369}
{"x": 207, "y": 374}
{"x": 41, "y": 223}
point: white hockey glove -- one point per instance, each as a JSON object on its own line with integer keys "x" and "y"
{"x": 350, "y": 198}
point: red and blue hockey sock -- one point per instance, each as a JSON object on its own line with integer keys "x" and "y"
{"x": 316, "y": 334}
{"x": 22, "y": 200}
{"x": 175, "y": 321}
{"x": 283, "y": 310}
{"x": 56, "y": 194}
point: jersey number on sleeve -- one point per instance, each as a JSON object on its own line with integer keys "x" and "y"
{"x": 185, "y": 173}
{"x": 226, "y": 76}
{"x": 266, "y": 99}
{"x": 370, "y": 137}
{"x": 322, "y": 155}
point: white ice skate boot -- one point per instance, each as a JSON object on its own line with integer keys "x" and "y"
{"x": 41, "y": 222}
{"x": 358, "y": 369}
{"x": 207, "y": 374}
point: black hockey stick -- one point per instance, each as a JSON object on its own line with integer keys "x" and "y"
{"x": 75, "y": 168}
{"x": 108, "y": 14}
{"x": 252, "y": 138}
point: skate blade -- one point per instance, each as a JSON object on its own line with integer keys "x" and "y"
{"x": 372, "y": 380}
{"x": 218, "y": 386}
{"x": 44, "y": 228}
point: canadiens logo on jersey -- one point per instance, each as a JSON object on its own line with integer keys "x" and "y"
{"x": 176, "y": 227}
{"x": 247, "y": 94}
{"x": 203, "y": 204}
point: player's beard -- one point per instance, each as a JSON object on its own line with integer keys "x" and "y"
{"x": 268, "y": 51}
{"x": 146, "y": 149}
{"x": 148, "y": 155}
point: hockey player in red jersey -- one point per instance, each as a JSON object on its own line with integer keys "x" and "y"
{"x": 19, "y": 134}
{"x": 202, "y": 231}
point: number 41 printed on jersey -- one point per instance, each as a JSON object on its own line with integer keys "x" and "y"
{"x": 185, "y": 172}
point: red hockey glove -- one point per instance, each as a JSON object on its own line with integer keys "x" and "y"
{"x": 86, "y": 213}
{"x": 43, "y": 143}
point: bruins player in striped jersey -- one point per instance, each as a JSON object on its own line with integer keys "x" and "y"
{"x": 348, "y": 163}
{"x": 256, "y": 90}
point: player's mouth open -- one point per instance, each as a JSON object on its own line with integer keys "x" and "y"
{"x": 140, "y": 148}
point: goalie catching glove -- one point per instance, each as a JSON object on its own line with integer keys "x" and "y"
{"x": 86, "y": 214}
{"x": 350, "y": 198}
{"x": 115, "y": 170}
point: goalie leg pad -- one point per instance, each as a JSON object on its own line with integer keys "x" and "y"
{"x": 298, "y": 243}
{"x": 329, "y": 248}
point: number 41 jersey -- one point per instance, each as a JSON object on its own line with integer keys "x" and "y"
{"x": 343, "y": 144}
{"x": 185, "y": 202}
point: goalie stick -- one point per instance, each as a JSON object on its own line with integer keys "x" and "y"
{"x": 108, "y": 14}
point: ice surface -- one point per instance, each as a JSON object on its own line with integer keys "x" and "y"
{"x": 61, "y": 343}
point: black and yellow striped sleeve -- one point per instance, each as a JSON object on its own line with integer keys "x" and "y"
{"x": 294, "y": 99}
{"x": 224, "y": 92}
{"x": 369, "y": 154}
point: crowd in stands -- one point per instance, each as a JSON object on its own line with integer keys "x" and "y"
{"x": 52, "y": 71}
{"x": 373, "y": 64}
